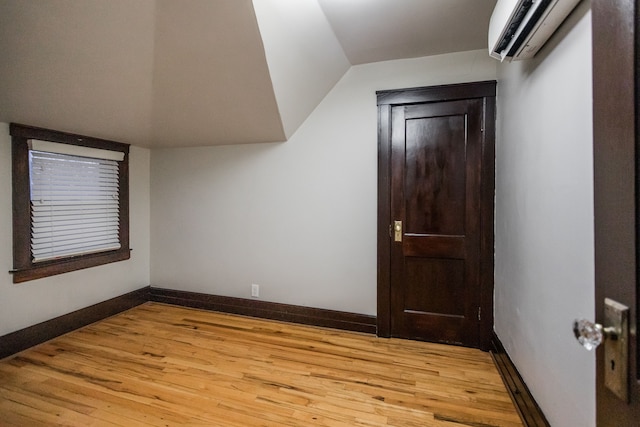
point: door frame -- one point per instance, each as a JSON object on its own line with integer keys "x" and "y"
{"x": 615, "y": 57}
{"x": 390, "y": 98}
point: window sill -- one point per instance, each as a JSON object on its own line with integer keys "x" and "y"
{"x": 51, "y": 268}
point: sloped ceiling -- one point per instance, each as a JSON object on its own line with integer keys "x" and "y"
{"x": 380, "y": 30}
{"x": 211, "y": 81}
{"x": 161, "y": 73}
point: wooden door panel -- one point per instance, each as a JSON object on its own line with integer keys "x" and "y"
{"x": 434, "y": 187}
{"x": 435, "y": 286}
{"x": 434, "y": 328}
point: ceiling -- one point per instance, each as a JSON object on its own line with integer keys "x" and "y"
{"x": 381, "y": 30}
{"x": 161, "y": 73}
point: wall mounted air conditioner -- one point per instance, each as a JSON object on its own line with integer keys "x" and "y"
{"x": 519, "y": 28}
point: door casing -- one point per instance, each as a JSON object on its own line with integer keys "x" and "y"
{"x": 485, "y": 90}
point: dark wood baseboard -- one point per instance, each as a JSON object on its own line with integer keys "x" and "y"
{"x": 17, "y": 341}
{"x": 267, "y": 310}
{"x": 530, "y": 412}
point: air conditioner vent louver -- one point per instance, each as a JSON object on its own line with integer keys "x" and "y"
{"x": 512, "y": 28}
{"x": 519, "y": 28}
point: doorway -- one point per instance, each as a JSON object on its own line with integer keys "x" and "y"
{"x": 435, "y": 213}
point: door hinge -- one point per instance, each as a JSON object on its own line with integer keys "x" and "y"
{"x": 479, "y": 313}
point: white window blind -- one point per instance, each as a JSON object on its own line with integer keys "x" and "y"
{"x": 74, "y": 203}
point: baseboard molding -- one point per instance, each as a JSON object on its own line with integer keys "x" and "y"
{"x": 267, "y": 310}
{"x": 530, "y": 412}
{"x": 17, "y": 341}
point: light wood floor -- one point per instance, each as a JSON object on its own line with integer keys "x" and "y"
{"x": 163, "y": 365}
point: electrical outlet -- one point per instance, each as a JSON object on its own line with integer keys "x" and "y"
{"x": 255, "y": 291}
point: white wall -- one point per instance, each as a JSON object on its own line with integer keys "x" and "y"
{"x": 544, "y": 275}
{"x": 297, "y": 218}
{"x": 28, "y": 303}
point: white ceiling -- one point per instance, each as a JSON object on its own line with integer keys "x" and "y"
{"x": 380, "y": 30}
{"x": 163, "y": 73}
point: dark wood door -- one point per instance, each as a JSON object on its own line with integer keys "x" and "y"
{"x": 436, "y": 190}
{"x": 616, "y": 195}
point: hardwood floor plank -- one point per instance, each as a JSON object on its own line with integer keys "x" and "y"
{"x": 161, "y": 365}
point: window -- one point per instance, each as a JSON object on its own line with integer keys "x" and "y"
{"x": 70, "y": 202}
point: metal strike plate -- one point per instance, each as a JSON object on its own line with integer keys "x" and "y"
{"x": 616, "y": 348}
{"x": 397, "y": 231}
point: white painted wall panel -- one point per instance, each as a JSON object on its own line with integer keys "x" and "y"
{"x": 544, "y": 274}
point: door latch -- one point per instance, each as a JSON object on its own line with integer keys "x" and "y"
{"x": 397, "y": 231}
{"x": 616, "y": 348}
{"x": 615, "y": 334}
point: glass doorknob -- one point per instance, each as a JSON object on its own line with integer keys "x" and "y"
{"x": 591, "y": 334}
{"x": 614, "y": 331}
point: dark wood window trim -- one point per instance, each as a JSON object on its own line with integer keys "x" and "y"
{"x": 23, "y": 267}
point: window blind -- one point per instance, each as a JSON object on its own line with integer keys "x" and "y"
{"x": 74, "y": 205}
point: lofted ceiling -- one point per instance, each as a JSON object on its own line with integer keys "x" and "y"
{"x": 165, "y": 73}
